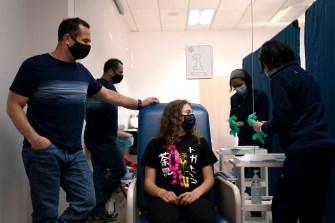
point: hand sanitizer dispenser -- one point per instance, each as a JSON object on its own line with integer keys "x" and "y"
{"x": 256, "y": 189}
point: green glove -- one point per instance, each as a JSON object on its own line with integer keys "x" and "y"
{"x": 252, "y": 119}
{"x": 233, "y": 123}
{"x": 234, "y": 131}
{"x": 258, "y": 135}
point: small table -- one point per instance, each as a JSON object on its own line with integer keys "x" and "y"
{"x": 126, "y": 141}
{"x": 238, "y": 150}
{"x": 255, "y": 160}
{"x": 133, "y": 148}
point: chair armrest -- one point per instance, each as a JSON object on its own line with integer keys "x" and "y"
{"x": 131, "y": 202}
{"x": 227, "y": 175}
{"x": 228, "y": 199}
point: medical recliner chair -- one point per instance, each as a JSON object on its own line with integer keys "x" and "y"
{"x": 225, "y": 195}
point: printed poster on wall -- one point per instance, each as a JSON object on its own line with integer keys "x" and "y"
{"x": 199, "y": 62}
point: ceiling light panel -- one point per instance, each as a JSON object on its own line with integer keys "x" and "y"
{"x": 206, "y": 16}
{"x": 200, "y": 16}
{"x": 201, "y": 4}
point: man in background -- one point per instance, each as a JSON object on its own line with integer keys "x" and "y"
{"x": 100, "y": 138}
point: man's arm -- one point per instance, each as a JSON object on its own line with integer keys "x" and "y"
{"x": 116, "y": 98}
{"x": 15, "y": 105}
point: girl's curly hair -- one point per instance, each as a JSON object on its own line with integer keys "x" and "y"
{"x": 171, "y": 128}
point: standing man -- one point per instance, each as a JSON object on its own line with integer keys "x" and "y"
{"x": 100, "y": 139}
{"x": 54, "y": 88}
{"x": 298, "y": 117}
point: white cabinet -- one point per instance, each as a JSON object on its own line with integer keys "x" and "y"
{"x": 264, "y": 161}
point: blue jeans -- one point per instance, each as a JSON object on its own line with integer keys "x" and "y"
{"x": 48, "y": 170}
{"x": 106, "y": 157}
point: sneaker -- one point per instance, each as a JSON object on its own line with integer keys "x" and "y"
{"x": 105, "y": 218}
{"x": 110, "y": 217}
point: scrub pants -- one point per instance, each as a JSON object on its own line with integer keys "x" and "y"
{"x": 302, "y": 189}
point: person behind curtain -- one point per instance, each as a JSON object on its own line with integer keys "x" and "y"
{"x": 244, "y": 102}
{"x": 54, "y": 87}
{"x": 298, "y": 117}
{"x": 100, "y": 138}
{"x": 178, "y": 169}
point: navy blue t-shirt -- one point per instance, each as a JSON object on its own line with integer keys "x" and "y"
{"x": 101, "y": 118}
{"x": 298, "y": 111}
{"x": 57, "y": 93}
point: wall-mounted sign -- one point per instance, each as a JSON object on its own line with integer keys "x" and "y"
{"x": 199, "y": 62}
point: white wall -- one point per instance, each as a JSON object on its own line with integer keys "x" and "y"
{"x": 154, "y": 66}
{"x": 25, "y": 32}
{"x": 14, "y": 48}
{"x": 159, "y": 68}
{"x": 159, "y": 64}
{"x": 110, "y": 38}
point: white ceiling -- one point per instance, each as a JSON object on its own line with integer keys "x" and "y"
{"x": 171, "y": 15}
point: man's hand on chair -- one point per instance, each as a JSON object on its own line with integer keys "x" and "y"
{"x": 150, "y": 101}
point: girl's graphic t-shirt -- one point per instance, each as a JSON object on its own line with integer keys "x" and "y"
{"x": 179, "y": 167}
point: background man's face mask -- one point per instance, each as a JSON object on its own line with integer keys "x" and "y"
{"x": 189, "y": 122}
{"x": 117, "y": 78}
{"x": 79, "y": 50}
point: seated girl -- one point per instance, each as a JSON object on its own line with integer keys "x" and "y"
{"x": 179, "y": 169}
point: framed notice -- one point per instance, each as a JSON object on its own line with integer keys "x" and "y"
{"x": 199, "y": 62}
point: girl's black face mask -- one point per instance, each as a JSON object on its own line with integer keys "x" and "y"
{"x": 189, "y": 122}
